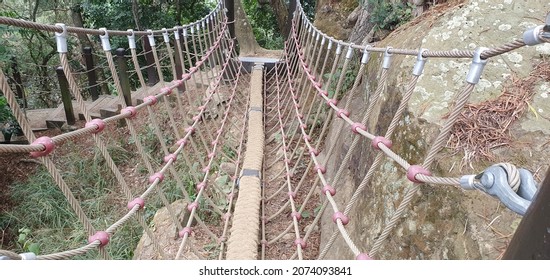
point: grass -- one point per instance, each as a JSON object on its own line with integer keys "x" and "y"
{"x": 47, "y": 220}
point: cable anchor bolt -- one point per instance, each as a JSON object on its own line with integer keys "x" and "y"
{"x": 494, "y": 181}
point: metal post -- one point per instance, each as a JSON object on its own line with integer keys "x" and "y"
{"x": 531, "y": 240}
{"x": 90, "y": 72}
{"x": 65, "y": 96}
{"x": 123, "y": 76}
{"x": 152, "y": 77}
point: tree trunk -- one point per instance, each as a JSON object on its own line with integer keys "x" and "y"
{"x": 243, "y": 30}
{"x": 135, "y": 13}
{"x": 78, "y": 21}
{"x": 280, "y": 8}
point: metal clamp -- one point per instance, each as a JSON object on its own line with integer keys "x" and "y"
{"x": 105, "y": 40}
{"x": 165, "y": 36}
{"x": 61, "y": 38}
{"x": 494, "y": 181}
{"x": 177, "y": 33}
{"x": 151, "y": 37}
{"x": 420, "y": 62}
{"x": 366, "y": 55}
{"x": 474, "y": 74}
{"x": 339, "y": 48}
{"x": 387, "y": 58}
{"x": 131, "y": 39}
{"x": 538, "y": 34}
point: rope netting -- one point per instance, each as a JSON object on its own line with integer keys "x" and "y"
{"x": 273, "y": 139}
{"x": 302, "y": 108}
{"x": 197, "y": 121}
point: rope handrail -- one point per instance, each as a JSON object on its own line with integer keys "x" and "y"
{"x": 507, "y": 47}
{"x": 80, "y": 30}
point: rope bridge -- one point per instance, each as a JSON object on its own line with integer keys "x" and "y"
{"x": 271, "y": 125}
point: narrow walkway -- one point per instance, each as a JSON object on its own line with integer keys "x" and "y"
{"x": 245, "y": 232}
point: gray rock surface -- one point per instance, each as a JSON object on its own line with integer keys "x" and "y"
{"x": 442, "y": 222}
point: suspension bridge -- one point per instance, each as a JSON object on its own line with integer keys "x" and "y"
{"x": 261, "y": 123}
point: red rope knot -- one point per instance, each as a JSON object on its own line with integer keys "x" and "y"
{"x": 190, "y": 130}
{"x": 206, "y": 169}
{"x": 415, "y": 170}
{"x": 289, "y": 174}
{"x": 137, "y": 201}
{"x": 185, "y": 77}
{"x": 102, "y": 236}
{"x": 182, "y": 142}
{"x": 363, "y": 257}
{"x": 202, "y": 107}
{"x": 300, "y": 242}
{"x": 308, "y": 71}
{"x": 380, "y": 139}
{"x": 98, "y": 123}
{"x": 323, "y": 93}
{"x": 287, "y": 161}
{"x": 219, "y": 131}
{"x": 295, "y": 97}
{"x": 211, "y": 155}
{"x": 169, "y": 157}
{"x": 130, "y": 109}
{"x": 300, "y": 116}
{"x": 227, "y": 216}
{"x": 264, "y": 242}
{"x": 297, "y": 106}
{"x": 356, "y": 126}
{"x": 48, "y": 144}
{"x": 318, "y": 84}
{"x": 185, "y": 231}
{"x": 214, "y": 143}
{"x": 296, "y": 215}
{"x": 329, "y": 189}
{"x": 321, "y": 168}
{"x": 230, "y": 196}
{"x": 332, "y": 101}
{"x": 307, "y": 137}
{"x": 151, "y": 99}
{"x": 155, "y": 176}
{"x": 192, "y": 70}
{"x": 196, "y": 118}
{"x": 341, "y": 112}
{"x": 340, "y": 216}
{"x": 178, "y": 83}
{"x": 200, "y": 186}
{"x": 304, "y": 126}
{"x": 166, "y": 90}
{"x": 292, "y": 194}
{"x": 313, "y": 151}
{"x": 193, "y": 205}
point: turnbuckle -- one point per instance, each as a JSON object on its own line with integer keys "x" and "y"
{"x": 495, "y": 182}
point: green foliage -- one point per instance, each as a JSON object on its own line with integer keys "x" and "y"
{"x": 389, "y": 16}
{"x": 264, "y": 24}
{"x": 349, "y": 78}
{"x": 309, "y": 8}
{"x": 8, "y": 124}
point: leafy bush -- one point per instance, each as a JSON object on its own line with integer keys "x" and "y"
{"x": 389, "y": 16}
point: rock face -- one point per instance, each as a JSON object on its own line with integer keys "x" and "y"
{"x": 442, "y": 222}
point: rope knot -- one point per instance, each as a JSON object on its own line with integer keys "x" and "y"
{"x": 340, "y": 216}
{"x": 414, "y": 170}
{"x": 98, "y": 123}
{"x": 379, "y": 139}
{"x": 101, "y": 236}
{"x": 48, "y": 144}
{"x": 129, "y": 110}
{"x": 137, "y": 201}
